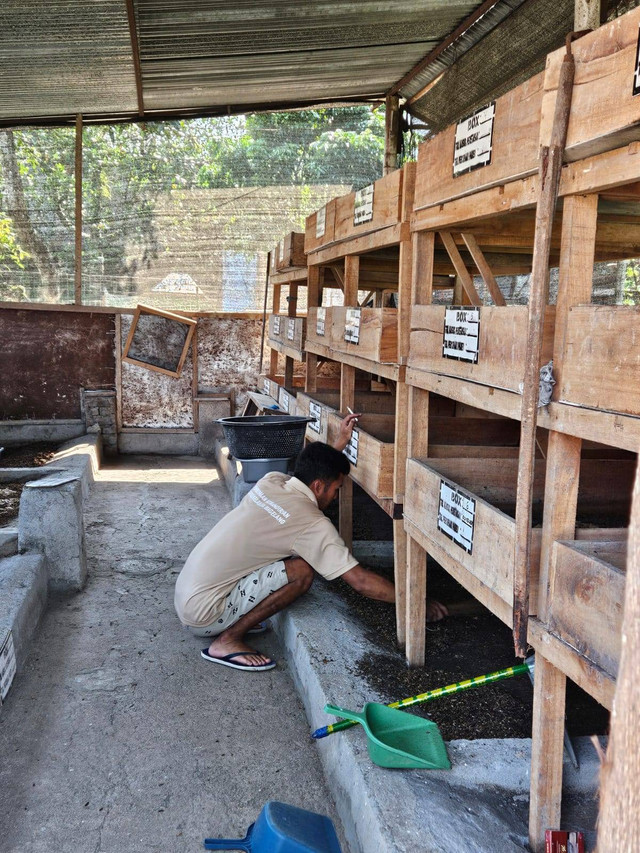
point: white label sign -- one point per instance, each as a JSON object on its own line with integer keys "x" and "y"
{"x": 351, "y": 450}
{"x": 321, "y": 222}
{"x": 321, "y": 317}
{"x": 284, "y": 400}
{"x": 276, "y": 325}
{"x": 280, "y": 251}
{"x": 315, "y": 411}
{"x": 636, "y": 74}
{"x": 266, "y": 387}
{"x": 473, "y": 141}
{"x": 461, "y": 334}
{"x": 456, "y": 515}
{"x": 352, "y": 326}
{"x": 291, "y": 329}
{"x": 363, "y": 207}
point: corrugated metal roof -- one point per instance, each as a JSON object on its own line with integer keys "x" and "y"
{"x": 75, "y": 56}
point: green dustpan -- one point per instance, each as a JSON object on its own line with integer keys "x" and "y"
{"x": 398, "y": 739}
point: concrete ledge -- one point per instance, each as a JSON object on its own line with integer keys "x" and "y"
{"x": 483, "y": 797}
{"x": 26, "y": 432}
{"x": 160, "y": 442}
{"x": 8, "y": 541}
{"x": 23, "y": 598}
{"x": 83, "y": 456}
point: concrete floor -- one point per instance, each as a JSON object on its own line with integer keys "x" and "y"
{"x": 117, "y": 737}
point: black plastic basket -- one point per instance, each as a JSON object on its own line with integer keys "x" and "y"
{"x": 265, "y": 436}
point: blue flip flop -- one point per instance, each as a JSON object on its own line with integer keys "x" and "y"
{"x": 227, "y": 660}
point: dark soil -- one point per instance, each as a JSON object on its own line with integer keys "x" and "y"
{"x": 31, "y": 456}
{"x": 458, "y": 647}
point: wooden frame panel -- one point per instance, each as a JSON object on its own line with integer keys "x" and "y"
{"x": 514, "y": 155}
{"x": 145, "y": 310}
{"x": 596, "y": 336}
{"x": 605, "y": 62}
{"x": 289, "y": 252}
{"x": 587, "y": 597}
{"x": 501, "y": 345}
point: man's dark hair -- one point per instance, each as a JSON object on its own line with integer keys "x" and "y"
{"x": 320, "y": 461}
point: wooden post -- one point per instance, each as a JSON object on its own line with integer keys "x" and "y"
{"x": 577, "y": 251}
{"x": 311, "y": 375}
{"x": 351, "y": 279}
{"x": 619, "y": 822}
{"x": 549, "y": 689}
{"x": 549, "y": 178}
{"x": 264, "y": 309}
{"x": 392, "y": 136}
{"x": 78, "y": 212}
{"x": 347, "y": 398}
{"x": 416, "y": 603}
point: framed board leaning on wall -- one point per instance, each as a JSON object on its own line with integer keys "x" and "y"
{"x": 158, "y": 340}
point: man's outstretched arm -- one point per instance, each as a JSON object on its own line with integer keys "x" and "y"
{"x": 374, "y": 586}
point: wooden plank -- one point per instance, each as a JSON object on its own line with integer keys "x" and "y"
{"x": 601, "y": 363}
{"x": 585, "y": 607}
{"x": 287, "y": 276}
{"x": 546, "y": 751}
{"x": 483, "y": 268}
{"x": 514, "y": 153}
{"x": 605, "y": 61}
{"x": 351, "y": 279}
{"x": 404, "y": 302}
{"x": 549, "y": 174}
{"x": 118, "y": 355}
{"x": 608, "y": 428}
{"x": 400, "y": 441}
{"x": 422, "y": 268}
{"x": 381, "y": 238}
{"x": 602, "y": 172}
{"x": 461, "y": 271}
{"x": 490, "y": 563}
{"x": 501, "y": 345}
{"x": 374, "y": 468}
{"x": 389, "y": 371}
{"x": 416, "y": 602}
{"x": 575, "y": 274}
{"x": 488, "y": 398}
{"x": 347, "y": 401}
{"x": 292, "y": 252}
{"x": 561, "y": 502}
{"x": 387, "y": 203}
{"x": 378, "y": 340}
{"x": 595, "y": 681}
{"x": 400, "y": 547}
{"x": 313, "y": 240}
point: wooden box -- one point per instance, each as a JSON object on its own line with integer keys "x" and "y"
{"x": 373, "y": 469}
{"x": 385, "y": 203}
{"x": 320, "y": 227}
{"x": 372, "y": 402}
{"x": 501, "y": 344}
{"x": 587, "y": 598}
{"x": 514, "y": 149}
{"x": 601, "y": 364}
{"x": 372, "y": 332}
{"x": 289, "y": 252}
{"x": 277, "y": 327}
{"x": 485, "y": 567}
{"x": 605, "y": 103}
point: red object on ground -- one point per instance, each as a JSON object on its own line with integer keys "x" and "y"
{"x": 559, "y": 841}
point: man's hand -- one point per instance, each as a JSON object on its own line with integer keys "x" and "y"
{"x": 435, "y": 610}
{"x": 346, "y": 428}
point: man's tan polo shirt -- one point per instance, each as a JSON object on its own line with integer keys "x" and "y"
{"x": 278, "y": 518}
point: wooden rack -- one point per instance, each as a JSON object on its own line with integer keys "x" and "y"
{"x": 286, "y": 335}
{"x": 588, "y": 434}
{"x": 361, "y": 243}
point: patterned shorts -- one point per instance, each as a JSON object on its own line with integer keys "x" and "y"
{"x": 246, "y": 594}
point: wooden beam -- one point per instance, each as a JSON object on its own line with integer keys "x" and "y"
{"x": 461, "y": 270}
{"x": 423, "y": 244}
{"x": 135, "y": 53}
{"x": 351, "y": 279}
{"x": 546, "y": 751}
{"x": 347, "y": 400}
{"x": 483, "y": 268}
{"x": 549, "y": 177}
{"x": 78, "y": 212}
{"x": 392, "y": 135}
{"x": 416, "y": 601}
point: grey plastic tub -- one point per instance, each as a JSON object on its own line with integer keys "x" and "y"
{"x": 254, "y": 469}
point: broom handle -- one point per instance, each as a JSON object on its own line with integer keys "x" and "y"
{"x": 432, "y": 694}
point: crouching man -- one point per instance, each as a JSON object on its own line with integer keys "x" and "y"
{"x": 262, "y": 556}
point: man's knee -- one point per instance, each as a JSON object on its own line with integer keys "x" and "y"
{"x": 299, "y": 572}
